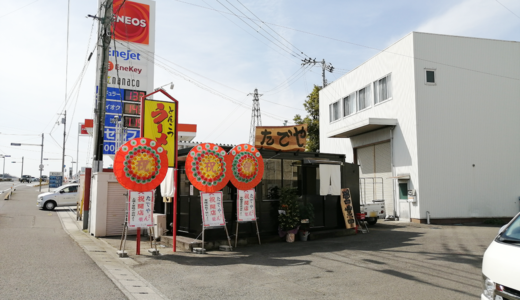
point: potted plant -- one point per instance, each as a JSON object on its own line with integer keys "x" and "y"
{"x": 288, "y": 214}
{"x": 306, "y": 219}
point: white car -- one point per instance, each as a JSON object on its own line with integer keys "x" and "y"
{"x": 65, "y": 195}
{"x": 501, "y": 264}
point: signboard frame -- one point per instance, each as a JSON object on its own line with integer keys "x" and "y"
{"x": 282, "y": 138}
{"x": 240, "y": 211}
{"x": 206, "y": 225}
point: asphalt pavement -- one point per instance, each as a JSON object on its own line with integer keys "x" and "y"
{"x": 39, "y": 260}
{"x": 396, "y": 260}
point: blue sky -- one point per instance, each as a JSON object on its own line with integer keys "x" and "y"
{"x": 213, "y": 58}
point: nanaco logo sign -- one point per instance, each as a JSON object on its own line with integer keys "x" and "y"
{"x": 131, "y": 21}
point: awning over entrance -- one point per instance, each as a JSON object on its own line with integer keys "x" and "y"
{"x": 401, "y": 177}
{"x": 367, "y": 125}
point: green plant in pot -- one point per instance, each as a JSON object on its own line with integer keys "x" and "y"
{"x": 306, "y": 219}
{"x": 288, "y": 213}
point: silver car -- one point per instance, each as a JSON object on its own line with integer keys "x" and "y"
{"x": 65, "y": 195}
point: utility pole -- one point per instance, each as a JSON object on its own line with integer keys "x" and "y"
{"x": 99, "y": 123}
{"x": 41, "y": 165}
{"x": 64, "y": 122}
{"x": 256, "y": 118}
{"x": 324, "y": 67}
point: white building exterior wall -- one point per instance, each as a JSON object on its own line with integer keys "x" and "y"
{"x": 397, "y": 60}
{"x": 471, "y": 116}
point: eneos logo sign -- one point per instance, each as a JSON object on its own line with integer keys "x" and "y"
{"x": 131, "y": 22}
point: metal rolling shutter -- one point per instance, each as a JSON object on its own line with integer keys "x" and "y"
{"x": 384, "y": 169}
{"x": 366, "y": 170}
{"x": 376, "y": 166}
{"x": 116, "y": 209}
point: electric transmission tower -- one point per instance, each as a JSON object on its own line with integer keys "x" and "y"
{"x": 324, "y": 67}
{"x": 256, "y": 118}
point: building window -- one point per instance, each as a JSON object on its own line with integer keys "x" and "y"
{"x": 363, "y": 96}
{"x": 334, "y": 111}
{"x": 349, "y": 104}
{"x": 383, "y": 89}
{"x": 403, "y": 191}
{"x": 430, "y": 76}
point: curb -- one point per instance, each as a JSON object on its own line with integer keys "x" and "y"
{"x": 115, "y": 268}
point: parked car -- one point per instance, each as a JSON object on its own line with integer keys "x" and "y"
{"x": 501, "y": 264}
{"x": 26, "y": 178}
{"x": 65, "y": 195}
{"x": 45, "y": 178}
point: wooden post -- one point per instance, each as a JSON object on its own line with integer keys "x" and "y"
{"x": 202, "y": 249}
{"x": 258, "y": 232}
{"x": 228, "y": 239}
{"x": 236, "y": 236}
{"x": 138, "y": 242}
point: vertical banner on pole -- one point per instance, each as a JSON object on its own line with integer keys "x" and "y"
{"x": 212, "y": 209}
{"x": 246, "y": 211}
{"x": 246, "y": 206}
{"x": 140, "y": 209}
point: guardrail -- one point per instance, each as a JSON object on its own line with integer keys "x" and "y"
{"x": 9, "y": 193}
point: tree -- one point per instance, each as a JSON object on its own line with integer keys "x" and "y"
{"x": 312, "y": 106}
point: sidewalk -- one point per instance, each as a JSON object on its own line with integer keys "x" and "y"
{"x": 104, "y": 253}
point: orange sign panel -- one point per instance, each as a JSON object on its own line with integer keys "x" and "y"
{"x": 140, "y": 165}
{"x": 208, "y": 167}
{"x": 281, "y": 138}
{"x": 247, "y": 166}
{"x": 131, "y": 22}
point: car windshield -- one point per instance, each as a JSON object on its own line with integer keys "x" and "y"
{"x": 512, "y": 233}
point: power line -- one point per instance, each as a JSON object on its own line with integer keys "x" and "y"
{"x": 508, "y": 9}
{"x": 361, "y": 45}
{"x": 255, "y": 29}
{"x": 290, "y": 49}
{"x": 150, "y": 57}
{"x": 272, "y": 29}
{"x": 245, "y": 30}
{"x": 289, "y": 82}
{"x": 18, "y": 9}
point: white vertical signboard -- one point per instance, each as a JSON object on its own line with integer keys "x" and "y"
{"x": 246, "y": 206}
{"x": 140, "y": 209}
{"x": 212, "y": 209}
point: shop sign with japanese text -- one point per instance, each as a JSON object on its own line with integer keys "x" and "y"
{"x": 281, "y": 138}
{"x": 347, "y": 208}
{"x": 212, "y": 209}
{"x": 246, "y": 205}
{"x": 140, "y": 209}
{"x": 160, "y": 124}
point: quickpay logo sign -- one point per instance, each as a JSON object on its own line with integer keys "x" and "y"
{"x": 131, "y": 21}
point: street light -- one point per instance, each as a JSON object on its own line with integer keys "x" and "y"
{"x": 3, "y": 172}
{"x": 171, "y": 86}
{"x": 41, "y": 158}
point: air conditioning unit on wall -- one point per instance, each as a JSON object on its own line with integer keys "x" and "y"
{"x": 159, "y": 228}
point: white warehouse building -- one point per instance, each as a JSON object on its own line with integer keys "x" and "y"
{"x": 433, "y": 121}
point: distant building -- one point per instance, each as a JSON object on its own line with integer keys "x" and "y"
{"x": 433, "y": 120}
